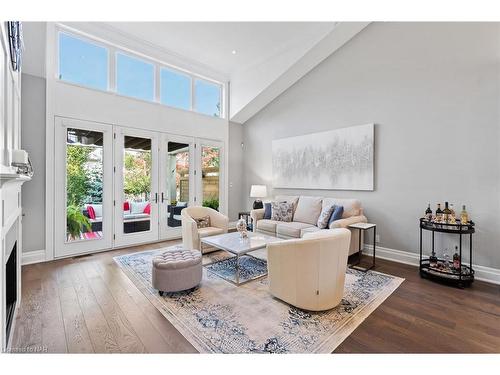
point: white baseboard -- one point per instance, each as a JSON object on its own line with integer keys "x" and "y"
{"x": 488, "y": 274}
{"x": 31, "y": 257}
{"x": 482, "y": 273}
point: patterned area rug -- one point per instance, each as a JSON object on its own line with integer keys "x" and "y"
{"x": 250, "y": 268}
{"x": 219, "y": 317}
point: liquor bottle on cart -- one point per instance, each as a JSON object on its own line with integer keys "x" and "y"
{"x": 464, "y": 216}
{"x": 428, "y": 213}
{"x": 446, "y": 213}
{"x": 446, "y": 259}
{"x": 433, "y": 260}
{"x": 456, "y": 260}
{"x": 453, "y": 219}
{"x": 439, "y": 213}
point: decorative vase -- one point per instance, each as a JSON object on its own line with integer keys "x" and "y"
{"x": 241, "y": 227}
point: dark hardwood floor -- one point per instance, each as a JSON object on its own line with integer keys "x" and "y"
{"x": 87, "y": 304}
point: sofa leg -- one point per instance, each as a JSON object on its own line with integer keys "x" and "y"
{"x": 161, "y": 293}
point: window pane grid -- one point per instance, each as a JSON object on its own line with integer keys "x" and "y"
{"x": 87, "y": 63}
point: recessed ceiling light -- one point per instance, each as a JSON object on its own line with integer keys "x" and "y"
{"x": 233, "y": 52}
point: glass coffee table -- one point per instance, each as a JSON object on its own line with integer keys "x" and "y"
{"x": 237, "y": 246}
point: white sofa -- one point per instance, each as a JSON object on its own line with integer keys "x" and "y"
{"x": 309, "y": 272}
{"x": 191, "y": 234}
{"x": 306, "y": 212}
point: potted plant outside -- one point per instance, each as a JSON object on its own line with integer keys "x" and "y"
{"x": 76, "y": 221}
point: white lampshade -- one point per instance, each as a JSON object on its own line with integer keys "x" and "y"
{"x": 258, "y": 191}
{"x": 19, "y": 157}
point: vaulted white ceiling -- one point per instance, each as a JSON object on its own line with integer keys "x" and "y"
{"x": 259, "y": 59}
{"x": 212, "y": 43}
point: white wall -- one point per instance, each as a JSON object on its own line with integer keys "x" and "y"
{"x": 34, "y": 37}
{"x": 33, "y": 141}
{"x": 432, "y": 89}
{"x": 77, "y": 102}
{"x": 236, "y": 172}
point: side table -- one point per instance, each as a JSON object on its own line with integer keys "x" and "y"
{"x": 360, "y": 227}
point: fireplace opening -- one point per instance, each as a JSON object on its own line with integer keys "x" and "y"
{"x": 10, "y": 288}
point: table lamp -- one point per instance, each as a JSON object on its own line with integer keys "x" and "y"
{"x": 258, "y": 191}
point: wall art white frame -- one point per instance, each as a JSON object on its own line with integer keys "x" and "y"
{"x": 340, "y": 159}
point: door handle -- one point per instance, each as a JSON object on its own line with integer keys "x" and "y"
{"x": 156, "y": 197}
{"x": 162, "y": 197}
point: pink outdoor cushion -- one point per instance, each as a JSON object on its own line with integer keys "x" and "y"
{"x": 91, "y": 212}
{"x": 147, "y": 209}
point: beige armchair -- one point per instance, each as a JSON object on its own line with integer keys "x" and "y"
{"x": 191, "y": 234}
{"x": 309, "y": 273}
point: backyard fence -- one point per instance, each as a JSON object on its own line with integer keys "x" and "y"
{"x": 210, "y": 184}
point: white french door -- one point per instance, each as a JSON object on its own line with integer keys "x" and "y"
{"x": 209, "y": 179}
{"x": 84, "y": 187}
{"x": 136, "y": 198}
{"x": 177, "y": 183}
{"x": 118, "y": 186}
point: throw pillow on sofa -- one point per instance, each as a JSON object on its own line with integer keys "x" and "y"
{"x": 282, "y": 211}
{"x": 267, "y": 211}
{"x": 352, "y": 207}
{"x": 324, "y": 216}
{"x": 308, "y": 210}
{"x": 336, "y": 214}
{"x": 293, "y": 199}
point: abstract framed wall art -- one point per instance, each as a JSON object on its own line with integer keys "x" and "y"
{"x": 340, "y": 159}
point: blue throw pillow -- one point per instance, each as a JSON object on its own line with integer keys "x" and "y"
{"x": 267, "y": 211}
{"x": 336, "y": 214}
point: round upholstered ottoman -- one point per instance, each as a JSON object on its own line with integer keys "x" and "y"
{"x": 176, "y": 270}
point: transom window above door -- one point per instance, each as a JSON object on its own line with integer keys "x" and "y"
{"x": 83, "y": 62}
{"x": 90, "y": 63}
{"x": 175, "y": 89}
{"x": 207, "y": 98}
{"x": 134, "y": 77}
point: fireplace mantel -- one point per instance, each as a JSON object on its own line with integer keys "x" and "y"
{"x": 11, "y": 202}
{"x": 13, "y": 178}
